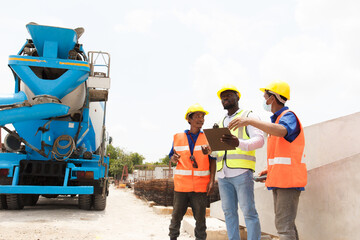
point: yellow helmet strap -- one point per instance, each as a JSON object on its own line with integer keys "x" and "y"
{"x": 278, "y": 97}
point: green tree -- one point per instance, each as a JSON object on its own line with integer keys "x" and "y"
{"x": 119, "y": 159}
{"x": 136, "y": 158}
{"x": 113, "y": 151}
{"x": 165, "y": 161}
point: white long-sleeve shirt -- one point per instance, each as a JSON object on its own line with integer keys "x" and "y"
{"x": 256, "y": 141}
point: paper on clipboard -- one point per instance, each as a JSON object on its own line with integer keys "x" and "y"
{"x": 213, "y": 136}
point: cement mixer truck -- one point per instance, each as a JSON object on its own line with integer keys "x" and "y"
{"x": 55, "y": 121}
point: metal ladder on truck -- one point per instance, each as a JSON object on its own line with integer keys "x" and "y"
{"x": 98, "y": 86}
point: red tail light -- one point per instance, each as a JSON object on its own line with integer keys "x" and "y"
{"x": 80, "y": 174}
{"x": 85, "y": 175}
{"x": 4, "y": 172}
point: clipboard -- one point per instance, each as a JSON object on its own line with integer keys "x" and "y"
{"x": 213, "y": 136}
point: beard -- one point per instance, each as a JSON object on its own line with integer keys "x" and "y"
{"x": 229, "y": 106}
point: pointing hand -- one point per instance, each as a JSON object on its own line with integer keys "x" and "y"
{"x": 175, "y": 157}
{"x": 237, "y": 123}
{"x": 206, "y": 150}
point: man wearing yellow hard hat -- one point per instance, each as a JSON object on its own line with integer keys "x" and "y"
{"x": 194, "y": 174}
{"x": 235, "y": 167}
{"x": 286, "y": 171}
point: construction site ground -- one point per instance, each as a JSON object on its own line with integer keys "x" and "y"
{"x": 125, "y": 217}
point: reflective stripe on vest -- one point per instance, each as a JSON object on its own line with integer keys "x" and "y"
{"x": 237, "y": 158}
{"x": 189, "y": 172}
{"x": 201, "y": 173}
{"x": 186, "y": 148}
{"x": 280, "y": 160}
{"x": 182, "y": 148}
{"x": 187, "y": 178}
{"x": 241, "y": 156}
{"x": 197, "y": 148}
{"x": 182, "y": 172}
{"x": 285, "y": 160}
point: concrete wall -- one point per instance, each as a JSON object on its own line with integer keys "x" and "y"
{"x": 161, "y": 172}
{"x": 329, "y": 207}
{"x": 157, "y": 173}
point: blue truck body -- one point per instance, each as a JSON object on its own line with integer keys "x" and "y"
{"x": 57, "y": 112}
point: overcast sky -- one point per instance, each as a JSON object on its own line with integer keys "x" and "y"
{"x": 167, "y": 55}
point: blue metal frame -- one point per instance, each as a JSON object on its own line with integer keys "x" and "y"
{"x": 12, "y": 162}
{"x": 46, "y": 190}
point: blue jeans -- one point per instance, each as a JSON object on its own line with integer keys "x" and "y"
{"x": 239, "y": 189}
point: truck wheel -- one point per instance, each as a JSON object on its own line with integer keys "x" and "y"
{"x": 50, "y": 195}
{"x": 14, "y": 201}
{"x": 34, "y": 199}
{"x": 30, "y": 199}
{"x": 3, "y": 204}
{"x": 99, "y": 202}
{"x": 85, "y": 201}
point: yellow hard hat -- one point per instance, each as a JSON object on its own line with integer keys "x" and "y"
{"x": 195, "y": 108}
{"x": 279, "y": 87}
{"x": 228, "y": 87}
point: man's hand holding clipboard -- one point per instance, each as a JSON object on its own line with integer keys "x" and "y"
{"x": 221, "y": 139}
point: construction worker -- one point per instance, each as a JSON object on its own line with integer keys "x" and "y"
{"x": 235, "y": 168}
{"x": 194, "y": 174}
{"x": 286, "y": 172}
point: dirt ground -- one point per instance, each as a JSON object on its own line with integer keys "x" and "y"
{"x": 125, "y": 218}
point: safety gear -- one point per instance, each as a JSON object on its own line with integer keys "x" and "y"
{"x": 194, "y": 108}
{"x": 237, "y": 158}
{"x": 279, "y": 87}
{"x": 186, "y": 177}
{"x": 284, "y": 164}
{"x": 267, "y": 107}
{"x": 228, "y": 87}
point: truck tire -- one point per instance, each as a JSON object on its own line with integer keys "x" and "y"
{"x": 30, "y": 199}
{"x": 34, "y": 199}
{"x": 3, "y": 204}
{"x": 50, "y": 195}
{"x": 14, "y": 201}
{"x": 99, "y": 202}
{"x": 85, "y": 201}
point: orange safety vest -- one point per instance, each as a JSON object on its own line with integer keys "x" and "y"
{"x": 284, "y": 160}
{"x": 187, "y": 178}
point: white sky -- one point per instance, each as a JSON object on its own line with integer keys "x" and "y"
{"x": 167, "y": 55}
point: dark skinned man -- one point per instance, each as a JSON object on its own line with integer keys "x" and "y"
{"x": 235, "y": 168}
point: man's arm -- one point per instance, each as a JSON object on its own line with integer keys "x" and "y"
{"x": 270, "y": 128}
{"x": 210, "y": 187}
{"x": 256, "y": 137}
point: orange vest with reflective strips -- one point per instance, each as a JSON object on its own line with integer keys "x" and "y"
{"x": 284, "y": 160}
{"x": 187, "y": 178}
